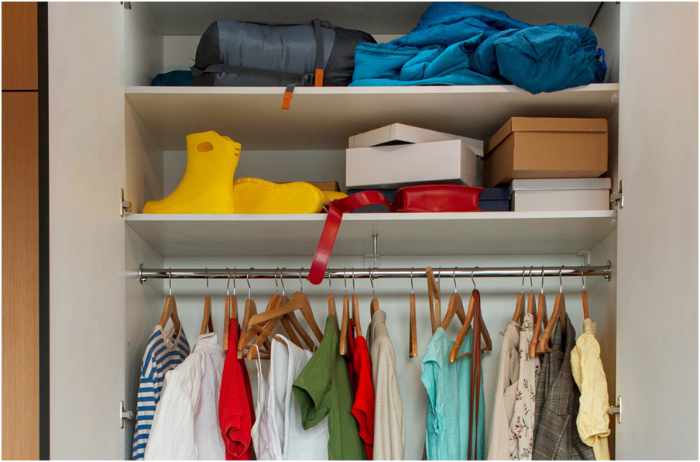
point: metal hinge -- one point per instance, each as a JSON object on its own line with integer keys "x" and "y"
{"x": 617, "y": 199}
{"x": 616, "y": 410}
{"x": 124, "y": 415}
{"x": 124, "y": 205}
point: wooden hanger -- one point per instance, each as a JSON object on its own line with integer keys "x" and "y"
{"x": 374, "y": 303}
{"x": 206, "y": 325}
{"x": 357, "y": 326}
{"x": 464, "y": 330}
{"x": 298, "y": 301}
{"x": 412, "y": 334}
{"x": 454, "y": 306}
{"x": 584, "y": 299}
{"x": 540, "y": 320}
{"x": 558, "y": 314}
{"x": 170, "y": 311}
{"x": 257, "y": 335}
{"x": 330, "y": 300}
{"x": 230, "y": 309}
{"x": 519, "y": 301}
{"x": 433, "y": 299}
{"x": 343, "y": 342}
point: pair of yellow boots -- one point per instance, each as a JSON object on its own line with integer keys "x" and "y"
{"x": 206, "y": 187}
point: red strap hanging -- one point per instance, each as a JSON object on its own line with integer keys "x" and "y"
{"x": 336, "y": 209}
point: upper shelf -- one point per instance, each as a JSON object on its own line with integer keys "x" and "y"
{"x": 409, "y": 234}
{"x": 324, "y": 118}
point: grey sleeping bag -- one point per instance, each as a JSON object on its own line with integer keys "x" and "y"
{"x": 233, "y": 53}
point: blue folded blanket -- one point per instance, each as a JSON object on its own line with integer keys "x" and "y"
{"x": 458, "y": 44}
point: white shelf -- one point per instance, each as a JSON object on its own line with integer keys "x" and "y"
{"x": 399, "y": 234}
{"x": 323, "y": 118}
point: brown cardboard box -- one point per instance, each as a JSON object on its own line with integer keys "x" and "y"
{"x": 547, "y": 147}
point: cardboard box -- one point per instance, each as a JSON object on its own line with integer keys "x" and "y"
{"x": 547, "y": 147}
{"x": 396, "y": 165}
{"x": 402, "y": 134}
{"x": 561, "y": 194}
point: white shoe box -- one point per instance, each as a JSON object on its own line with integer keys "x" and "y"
{"x": 402, "y": 133}
{"x": 561, "y": 194}
{"x": 394, "y": 165}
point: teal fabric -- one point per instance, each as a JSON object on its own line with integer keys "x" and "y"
{"x": 447, "y": 386}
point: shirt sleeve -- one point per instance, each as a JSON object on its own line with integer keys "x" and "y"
{"x": 388, "y": 410}
{"x": 312, "y": 385}
{"x": 172, "y": 433}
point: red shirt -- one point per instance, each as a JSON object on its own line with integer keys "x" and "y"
{"x": 236, "y": 413}
{"x": 360, "y": 372}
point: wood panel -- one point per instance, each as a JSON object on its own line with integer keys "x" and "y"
{"x": 19, "y": 46}
{"x": 20, "y": 276}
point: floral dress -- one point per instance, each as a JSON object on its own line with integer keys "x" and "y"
{"x": 523, "y": 420}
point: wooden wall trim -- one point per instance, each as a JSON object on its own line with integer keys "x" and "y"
{"x": 20, "y": 275}
{"x": 19, "y": 46}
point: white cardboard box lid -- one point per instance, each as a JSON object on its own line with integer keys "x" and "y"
{"x": 403, "y": 133}
{"x": 561, "y": 184}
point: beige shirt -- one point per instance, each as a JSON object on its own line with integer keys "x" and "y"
{"x": 522, "y": 424}
{"x": 388, "y": 407}
{"x": 500, "y": 443}
{"x": 593, "y": 422}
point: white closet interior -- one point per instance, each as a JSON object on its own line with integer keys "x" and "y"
{"x": 147, "y": 154}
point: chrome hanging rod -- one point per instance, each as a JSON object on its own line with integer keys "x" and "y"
{"x": 605, "y": 271}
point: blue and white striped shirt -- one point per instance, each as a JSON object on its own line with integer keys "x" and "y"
{"x": 162, "y": 354}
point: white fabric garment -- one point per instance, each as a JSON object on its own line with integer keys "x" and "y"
{"x": 287, "y": 361}
{"x": 522, "y": 424}
{"x": 500, "y": 443}
{"x": 186, "y": 425}
{"x": 264, "y": 434}
{"x": 388, "y": 407}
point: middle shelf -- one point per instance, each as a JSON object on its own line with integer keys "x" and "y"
{"x": 415, "y": 234}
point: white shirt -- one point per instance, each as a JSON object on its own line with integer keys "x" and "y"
{"x": 186, "y": 424}
{"x": 264, "y": 433}
{"x": 388, "y": 407}
{"x": 287, "y": 361}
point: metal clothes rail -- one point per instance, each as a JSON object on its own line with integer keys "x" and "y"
{"x": 605, "y": 271}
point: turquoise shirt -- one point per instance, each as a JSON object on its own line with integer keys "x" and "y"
{"x": 448, "y": 386}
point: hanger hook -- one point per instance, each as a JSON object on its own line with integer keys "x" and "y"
{"x": 474, "y": 283}
{"x": 345, "y": 279}
{"x": 371, "y": 281}
{"x": 274, "y": 278}
{"x": 561, "y": 281}
{"x": 522, "y": 281}
{"x": 330, "y": 288}
{"x": 247, "y": 281}
{"x": 542, "y": 282}
{"x": 413, "y": 289}
{"x": 284, "y": 288}
{"x": 301, "y": 283}
{"x": 228, "y": 281}
{"x": 206, "y": 272}
{"x": 353, "y": 280}
{"x": 583, "y": 281}
{"x": 454, "y": 278}
{"x": 170, "y": 281}
{"x": 530, "y": 273}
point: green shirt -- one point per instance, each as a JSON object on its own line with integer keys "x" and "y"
{"x": 323, "y": 389}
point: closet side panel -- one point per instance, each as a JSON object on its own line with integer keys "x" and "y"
{"x": 86, "y": 148}
{"x": 657, "y": 373}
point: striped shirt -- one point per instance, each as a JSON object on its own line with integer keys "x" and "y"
{"x": 162, "y": 354}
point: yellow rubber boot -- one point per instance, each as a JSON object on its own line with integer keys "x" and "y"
{"x": 205, "y": 186}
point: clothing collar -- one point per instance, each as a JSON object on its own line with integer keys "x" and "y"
{"x": 207, "y": 342}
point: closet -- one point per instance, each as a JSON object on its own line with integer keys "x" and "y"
{"x": 115, "y": 142}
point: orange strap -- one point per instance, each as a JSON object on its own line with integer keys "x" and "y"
{"x": 318, "y": 77}
{"x": 287, "y": 97}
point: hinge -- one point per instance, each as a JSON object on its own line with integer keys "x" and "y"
{"x": 617, "y": 199}
{"x": 124, "y": 205}
{"x": 616, "y": 410}
{"x": 124, "y": 415}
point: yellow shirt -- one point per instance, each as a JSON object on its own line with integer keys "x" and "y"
{"x": 593, "y": 422}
